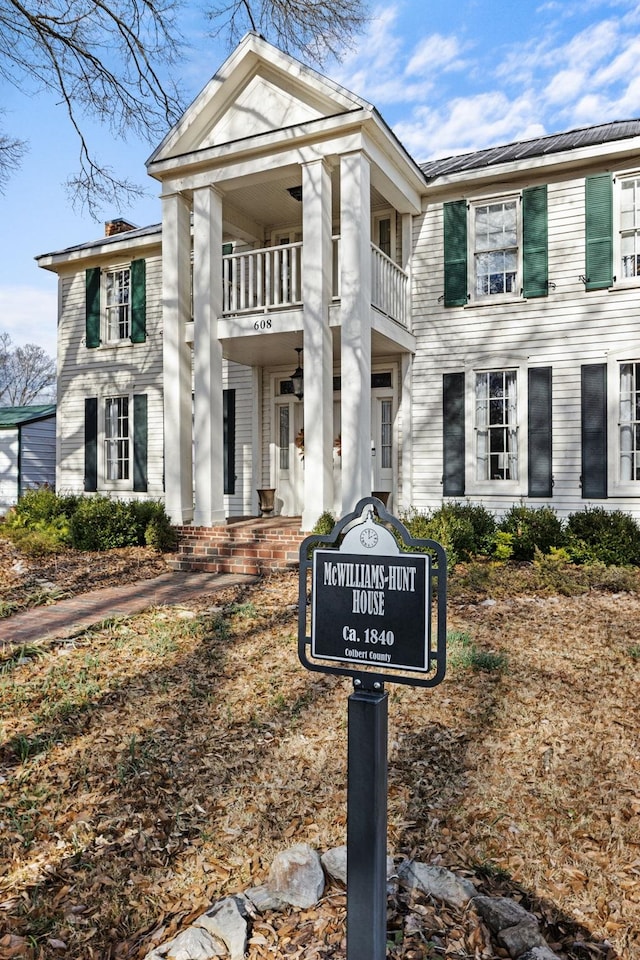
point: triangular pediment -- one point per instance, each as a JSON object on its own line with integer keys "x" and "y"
{"x": 258, "y": 90}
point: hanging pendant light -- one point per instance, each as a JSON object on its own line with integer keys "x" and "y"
{"x": 297, "y": 378}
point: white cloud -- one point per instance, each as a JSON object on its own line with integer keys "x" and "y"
{"x": 469, "y": 123}
{"x": 433, "y": 52}
{"x": 29, "y": 315}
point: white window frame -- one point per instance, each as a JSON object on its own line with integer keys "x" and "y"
{"x": 618, "y": 485}
{"x": 104, "y": 482}
{"x": 619, "y": 180}
{"x": 473, "y": 206}
{"x": 107, "y": 324}
{"x": 379, "y": 217}
{"x": 496, "y": 487}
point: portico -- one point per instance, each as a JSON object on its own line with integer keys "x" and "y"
{"x": 279, "y": 236}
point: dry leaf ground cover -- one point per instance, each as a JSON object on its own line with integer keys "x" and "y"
{"x": 151, "y": 765}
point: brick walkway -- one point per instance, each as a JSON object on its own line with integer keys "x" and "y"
{"x": 67, "y": 618}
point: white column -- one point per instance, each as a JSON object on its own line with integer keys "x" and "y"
{"x": 257, "y": 479}
{"x": 318, "y": 351}
{"x": 407, "y": 245}
{"x": 176, "y": 357}
{"x": 207, "y": 357}
{"x": 355, "y": 244}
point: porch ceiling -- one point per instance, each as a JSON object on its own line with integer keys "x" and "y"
{"x": 268, "y": 203}
{"x": 275, "y": 349}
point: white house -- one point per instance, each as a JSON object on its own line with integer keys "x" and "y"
{"x": 27, "y": 450}
{"x": 466, "y": 328}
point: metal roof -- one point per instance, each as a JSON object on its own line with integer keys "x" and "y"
{"x": 524, "y": 149}
{"x": 105, "y": 241}
{"x": 17, "y": 416}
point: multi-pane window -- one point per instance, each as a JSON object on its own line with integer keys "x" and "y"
{"x": 630, "y": 227}
{"x": 385, "y": 433}
{"x": 496, "y": 248}
{"x": 118, "y": 303}
{"x": 116, "y": 438}
{"x": 284, "y": 436}
{"x": 496, "y": 425}
{"x": 629, "y": 421}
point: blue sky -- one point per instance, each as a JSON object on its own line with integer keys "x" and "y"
{"x": 447, "y": 77}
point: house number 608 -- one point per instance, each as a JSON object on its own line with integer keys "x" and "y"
{"x": 262, "y": 324}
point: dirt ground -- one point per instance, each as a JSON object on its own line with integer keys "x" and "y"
{"x": 158, "y": 763}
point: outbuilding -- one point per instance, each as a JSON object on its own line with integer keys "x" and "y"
{"x": 27, "y": 450}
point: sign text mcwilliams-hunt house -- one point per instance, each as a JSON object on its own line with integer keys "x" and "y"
{"x": 371, "y": 609}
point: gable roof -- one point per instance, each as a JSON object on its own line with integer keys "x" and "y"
{"x": 538, "y": 147}
{"x": 17, "y": 416}
{"x": 288, "y": 93}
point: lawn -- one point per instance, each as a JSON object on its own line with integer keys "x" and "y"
{"x": 154, "y": 764}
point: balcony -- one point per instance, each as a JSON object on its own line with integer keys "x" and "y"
{"x": 270, "y": 279}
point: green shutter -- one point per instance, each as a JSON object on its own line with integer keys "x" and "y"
{"x": 594, "y": 430}
{"x": 140, "y": 442}
{"x": 92, "y": 307}
{"x": 539, "y": 432}
{"x": 599, "y": 231}
{"x": 453, "y": 453}
{"x": 90, "y": 444}
{"x": 535, "y": 259}
{"x": 138, "y": 302}
{"x": 229, "y": 440}
{"x": 455, "y": 253}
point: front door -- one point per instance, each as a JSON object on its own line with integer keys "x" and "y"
{"x": 289, "y": 454}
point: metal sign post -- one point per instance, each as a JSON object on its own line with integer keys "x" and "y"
{"x": 365, "y": 602}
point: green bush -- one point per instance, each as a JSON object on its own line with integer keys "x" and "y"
{"x": 324, "y": 524}
{"x": 463, "y": 529}
{"x": 100, "y": 523}
{"x": 598, "y": 535}
{"x": 532, "y": 527}
{"x": 39, "y": 522}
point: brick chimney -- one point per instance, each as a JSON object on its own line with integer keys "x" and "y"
{"x": 112, "y": 227}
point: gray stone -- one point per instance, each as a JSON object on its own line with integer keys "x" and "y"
{"x": 539, "y": 953}
{"x": 521, "y": 938}
{"x": 225, "y": 921}
{"x": 437, "y": 882}
{"x": 296, "y": 876}
{"x": 501, "y": 912}
{"x": 263, "y": 899}
{"x": 191, "y": 944}
{"x": 334, "y": 862}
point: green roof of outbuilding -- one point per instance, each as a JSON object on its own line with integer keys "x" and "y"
{"x": 16, "y": 416}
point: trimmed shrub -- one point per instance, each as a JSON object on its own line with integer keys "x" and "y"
{"x": 598, "y": 535}
{"x": 100, "y": 523}
{"x": 463, "y": 529}
{"x": 532, "y": 527}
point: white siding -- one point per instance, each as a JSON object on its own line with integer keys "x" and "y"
{"x": 108, "y": 370}
{"x": 567, "y": 328}
{"x": 8, "y": 469}
{"x": 239, "y": 378}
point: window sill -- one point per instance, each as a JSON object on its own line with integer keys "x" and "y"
{"x": 495, "y": 300}
{"x": 496, "y": 488}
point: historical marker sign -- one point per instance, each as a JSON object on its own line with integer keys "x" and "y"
{"x": 367, "y": 606}
{"x": 371, "y": 610}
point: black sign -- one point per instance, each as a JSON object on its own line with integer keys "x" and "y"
{"x": 371, "y": 609}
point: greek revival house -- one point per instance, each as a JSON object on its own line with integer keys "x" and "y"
{"x": 321, "y": 316}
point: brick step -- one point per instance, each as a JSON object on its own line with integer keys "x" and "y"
{"x": 253, "y": 546}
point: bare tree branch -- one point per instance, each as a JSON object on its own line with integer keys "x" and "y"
{"x": 102, "y": 60}
{"x": 316, "y": 29}
{"x": 26, "y": 374}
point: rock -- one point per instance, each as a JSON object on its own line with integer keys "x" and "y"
{"x": 226, "y": 921}
{"x": 263, "y": 899}
{"x": 334, "y": 862}
{"x": 296, "y": 876}
{"x": 437, "y": 882}
{"x": 191, "y": 944}
{"x": 501, "y": 912}
{"x": 521, "y": 938}
{"x": 539, "y": 953}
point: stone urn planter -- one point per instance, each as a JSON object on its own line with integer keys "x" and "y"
{"x": 266, "y": 498}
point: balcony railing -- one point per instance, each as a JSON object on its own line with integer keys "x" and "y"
{"x": 257, "y": 281}
{"x": 262, "y": 280}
